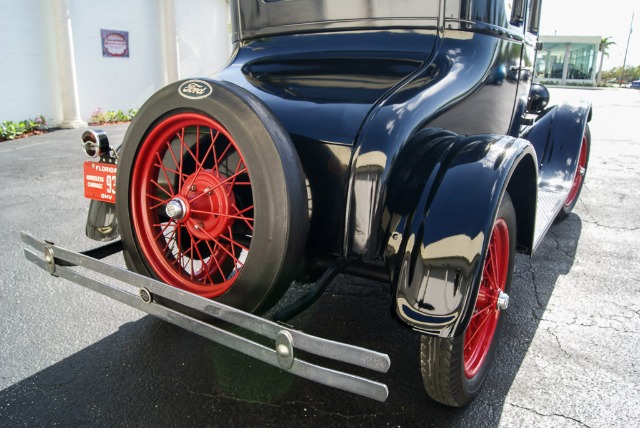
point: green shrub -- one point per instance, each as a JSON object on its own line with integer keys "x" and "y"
{"x": 99, "y": 117}
{"x": 10, "y": 130}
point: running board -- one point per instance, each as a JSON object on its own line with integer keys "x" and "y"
{"x": 550, "y": 203}
{"x": 287, "y": 341}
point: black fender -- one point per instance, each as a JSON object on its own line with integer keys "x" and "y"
{"x": 435, "y": 244}
{"x": 102, "y": 224}
{"x": 556, "y": 137}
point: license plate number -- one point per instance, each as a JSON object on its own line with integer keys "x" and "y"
{"x": 100, "y": 181}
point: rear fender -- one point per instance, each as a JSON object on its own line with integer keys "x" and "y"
{"x": 434, "y": 250}
{"x": 556, "y": 137}
{"x": 102, "y": 224}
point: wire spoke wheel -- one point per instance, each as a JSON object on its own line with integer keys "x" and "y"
{"x": 192, "y": 204}
{"x": 453, "y": 369}
{"x": 482, "y": 327}
{"x": 578, "y": 177}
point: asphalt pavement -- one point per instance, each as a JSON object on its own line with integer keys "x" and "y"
{"x": 568, "y": 356}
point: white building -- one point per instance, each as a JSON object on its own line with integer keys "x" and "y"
{"x": 52, "y": 60}
{"x": 568, "y": 59}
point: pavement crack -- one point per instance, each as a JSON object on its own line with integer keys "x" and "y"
{"x": 57, "y": 384}
{"x": 586, "y": 207}
{"x": 535, "y": 285}
{"x": 558, "y": 245}
{"x": 217, "y": 396}
{"x": 197, "y": 393}
{"x": 592, "y": 325}
{"x": 547, "y": 415}
{"x": 308, "y": 408}
{"x": 552, "y": 333}
{"x": 604, "y": 327}
{"x": 597, "y": 223}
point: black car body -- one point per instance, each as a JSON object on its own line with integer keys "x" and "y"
{"x": 408, "y": 137}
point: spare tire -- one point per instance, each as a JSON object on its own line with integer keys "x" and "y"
{"x": 211, "y": 195}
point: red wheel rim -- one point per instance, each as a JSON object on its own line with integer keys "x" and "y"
{"x": 579, "y": 174}
{"x": 191, "y": 204}
{"x": 481, "y": 329}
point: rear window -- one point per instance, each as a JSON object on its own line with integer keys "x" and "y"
{"x": 257, "y": 18}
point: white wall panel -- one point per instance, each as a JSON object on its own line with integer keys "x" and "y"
{"x": 115, "y": 83}
{"x": 28, "y": 74}
{"x": 28, "y": 64}
{"x": 204, "y": 36}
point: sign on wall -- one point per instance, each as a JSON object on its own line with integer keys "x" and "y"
{"x": 115, "y": 43}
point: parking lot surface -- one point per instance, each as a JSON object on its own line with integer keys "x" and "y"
{"x": 568, "y": 356}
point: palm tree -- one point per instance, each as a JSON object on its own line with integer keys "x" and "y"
{"x": 604, "y": 46}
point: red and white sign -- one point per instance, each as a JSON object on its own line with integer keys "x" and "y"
{"x": 100, "y": 181}
{"x": 115, "y": 43}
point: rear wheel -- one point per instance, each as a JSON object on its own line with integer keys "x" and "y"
{"x": 578, "y": 178}
{"x": 453, "y": 370}
{"x": 211, "y": 197}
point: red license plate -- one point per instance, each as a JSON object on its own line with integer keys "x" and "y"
{"x": 100, "y": 181}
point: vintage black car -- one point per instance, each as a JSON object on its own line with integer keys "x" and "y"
{"x": 401, "y": 140}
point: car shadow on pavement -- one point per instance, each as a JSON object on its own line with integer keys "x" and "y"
{"x": 151, "y": 373}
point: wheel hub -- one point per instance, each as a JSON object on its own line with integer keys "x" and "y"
{"x": 208, "y": 202}
{"x": 502, "y": 301}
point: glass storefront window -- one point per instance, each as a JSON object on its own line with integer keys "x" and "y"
{"x": 579, "y": 52}
{"x": 550, "y": 61}
{"x": 581, "y": 58}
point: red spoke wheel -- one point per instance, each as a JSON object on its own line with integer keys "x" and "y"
{"x": 211, "y": 196}
{"x": 453, "y": 370}
{"x": 192, "y": 205}
{"x": 579, "y": 175}
{"x": 482, "y": 326}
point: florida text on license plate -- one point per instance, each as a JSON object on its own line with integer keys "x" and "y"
{"x": 100, "y": 181}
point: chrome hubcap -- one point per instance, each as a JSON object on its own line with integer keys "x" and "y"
{"x": 503, "y": 301}
{"x": 176, "y": 209}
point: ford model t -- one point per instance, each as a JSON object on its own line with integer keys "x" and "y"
{"x": 402, "y": 141}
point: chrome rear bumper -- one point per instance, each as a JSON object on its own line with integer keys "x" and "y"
{"x": 59, "y": 262}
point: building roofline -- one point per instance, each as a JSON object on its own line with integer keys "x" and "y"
{"x": 571, "y": 39}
